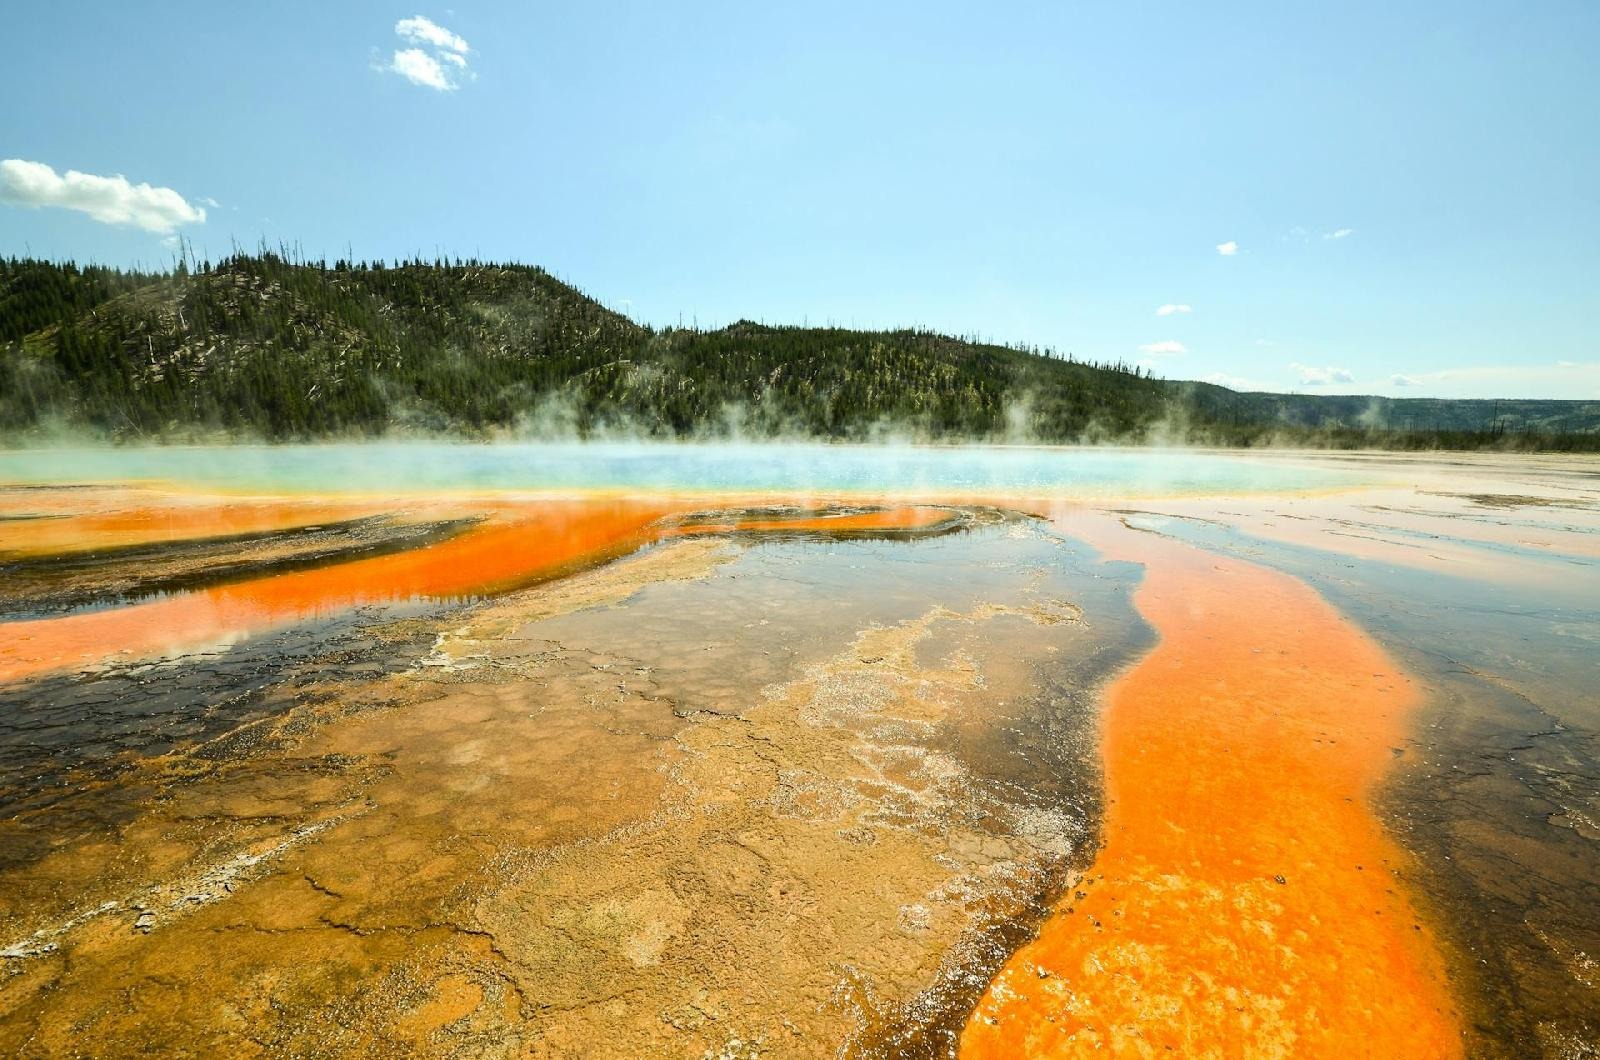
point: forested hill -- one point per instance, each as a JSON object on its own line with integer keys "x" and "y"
{"x": 261, "y": 347}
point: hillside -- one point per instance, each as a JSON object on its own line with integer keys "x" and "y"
{"x": 261, "y": 347}
{"x": 1504, "y": 415}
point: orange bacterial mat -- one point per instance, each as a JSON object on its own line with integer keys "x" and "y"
{"x": 510, "y": 548}
{"x": 1246, "y": 901}
{"x": 517, "y": 543}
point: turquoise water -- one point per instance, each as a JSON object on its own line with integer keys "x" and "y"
{"x": 878, "y": 470}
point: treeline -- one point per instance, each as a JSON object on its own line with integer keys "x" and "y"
{"x": 1526, "y": 439}
{"x": 1489, "y": 421}
{"x": 264, "y": 346}
{"x": 35, "y": 294}
{"x": 258, "y": 345}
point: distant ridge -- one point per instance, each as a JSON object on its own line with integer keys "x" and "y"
{"x": 263, "y": 347}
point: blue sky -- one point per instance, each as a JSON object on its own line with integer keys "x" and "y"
{"x": 1041, "y": 173}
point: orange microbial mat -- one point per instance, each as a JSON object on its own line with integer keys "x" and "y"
{"x": 1245, "y": 901}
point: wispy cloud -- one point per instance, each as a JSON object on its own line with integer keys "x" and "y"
{"x": 1311, "y": 375}
{"x": 437, "y": 58}
{"x": 1232, "y": 382}
{"x": 1165, "y": 348}
{"x": 1173, "y": 307}
{"x": 110, "y": 200}
{"x": 420, "y": 68}
{"x": 1228, "y": 249}
{"x": 1403, "y": 380}
{"x": 1563, "y": 379}
{"x": 420, "y": 30}
{"x": 1338, "y": 233}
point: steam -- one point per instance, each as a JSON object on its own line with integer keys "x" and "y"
{"x": 795, "y": 470}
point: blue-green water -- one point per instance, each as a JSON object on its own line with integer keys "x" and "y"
{"x": 776, "y": 468}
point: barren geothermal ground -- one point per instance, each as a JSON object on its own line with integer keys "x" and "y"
{"x": 798, "y": 751}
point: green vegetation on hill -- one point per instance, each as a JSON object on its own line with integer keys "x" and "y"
{"x": 259, "y": 346}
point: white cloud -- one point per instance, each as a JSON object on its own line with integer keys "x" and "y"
{"x": 1171, "y": 308}
{"x": 420, "y": 68}
{"x": 1338, "y": 233}
{"x": 1167, "y": 347}
{"x": 209, "y": 201}
{"x": 1228, "y": 249}
{"x": 1402, "y": 380}
{"x": 111, "y": 200}
{"x": 437, "y": 58}
{"x": 1566, "y": 364}
{"x": 1310, "y": 375}
{"x": 420, "y": 30}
